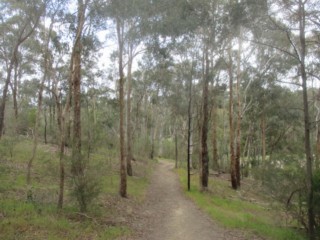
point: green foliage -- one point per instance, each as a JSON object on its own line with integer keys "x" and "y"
{"x": 224, "y": 205}
{"x": 85, "y": 189}
{"x": 168, "y": 146}
{"x": 39, "y": 219}
{"x": 280, "y": 175}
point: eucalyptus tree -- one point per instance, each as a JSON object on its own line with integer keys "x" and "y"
{"x": 186, "y": 71}
{"x": 294, "y": 23}
{"x": 52, "y": 10}
{"x": 119, "y": 19}
{"x": 78, "y": 163}
{"x": 212, "y": 34}
{"x": 19, "y": 21}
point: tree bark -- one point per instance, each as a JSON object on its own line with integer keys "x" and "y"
{"x": 4, "y": 95}
{"x": 129, "y": 126}
{"x": 204, "y": 127}
{"x": 61, "y": 121}
{"x": 263, "y": 137}
{"x": 215, "y": 157}
{"x": 309, "y": 159}
{"x": 15, "y": 90}
{"x": 123, "y": 174}
{"x": 231, "y": 128}
{"x": 239, "y": 113}
{"x": 77, "y": 167}
{"x": 176, "y": 147}
{"x": 189, "y": 147}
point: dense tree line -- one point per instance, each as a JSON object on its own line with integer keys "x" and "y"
{"x": 226, "y": 86}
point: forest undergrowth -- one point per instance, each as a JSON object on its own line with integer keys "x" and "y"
{"x": 107, "y": 218}
{"x": 245, "y": 209}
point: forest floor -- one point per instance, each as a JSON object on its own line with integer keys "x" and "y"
{"x": 167, "y": 214}
{"x": 157, "y": 207}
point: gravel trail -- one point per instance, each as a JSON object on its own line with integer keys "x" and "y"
{"x": 168, "y": 215}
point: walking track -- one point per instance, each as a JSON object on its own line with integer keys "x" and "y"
{"x": 168, "y": 215}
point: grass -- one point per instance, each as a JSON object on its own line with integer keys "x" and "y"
{"x": 39, "y": 218}
{"x": 228, "y": 208}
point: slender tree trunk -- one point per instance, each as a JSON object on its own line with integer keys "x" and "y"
{"x": 21, "y": 38}
{"x": 204, "y": 127}
{"x": 311, "y": 217}
{"x": 176, "y": 147}
{"x": 129, "y": 126}
{"x": 231, "y": 128}
{"x": 61, "y": 155}
{"x": 152, "y": 143}
{"x": 62, "y": 126}
{"x": 215, "y": 158}
{"x": 77, "y": 167}
{"x": 45, "y": 126}
{"x": 61, "y": 122}
{"x": 263, "y": 137}
{"x": 153, "y": 136}
{"x": 189, "y": 147}
{"x": 4, "y": 96}
{"x": 39, "y": 111}
{"x": 15, "y": 91}
{"x": 123, "y": 174}
{"x": 239, "y": 113}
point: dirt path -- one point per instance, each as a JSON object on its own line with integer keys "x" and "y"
{"x": 168, "y": 215}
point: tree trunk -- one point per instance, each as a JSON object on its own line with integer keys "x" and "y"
{"x": 21, "y": 38}
{"x": 39, "y": 111}
{"x": 263, "y": 137}
{"x": 215, "y": 158}
{"x": 189, "y": 147}
{"x": 123, "y": 174}
{"x": 15, "y": 90}
{"x": 61, "y": 121}
{"x": 77, "y": 167}
{"x": 311, "y": 217}
{"x": 4, "y": 96}
{"x": 129, "y": 126}
{"x": 45, "y": 126}
{"x": 239, "y": 113}
{"x": 176, "y": 147}
{"x": 204, "y": 127}
{"x": 231, "y": 129}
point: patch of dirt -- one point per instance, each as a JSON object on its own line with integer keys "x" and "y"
{"x": 168, "y": 215}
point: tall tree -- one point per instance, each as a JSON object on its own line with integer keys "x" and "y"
{"x": 28, "y": 21}
{"x": 78, "y": 167}
{"x": 297, "y": 14}
{"x": 307, "y": 124}
{"x": 123, "y": 174}
{"x": 205, "y": 121}
{"x": 46, "y": 65}
{"x": 231, "y": 122}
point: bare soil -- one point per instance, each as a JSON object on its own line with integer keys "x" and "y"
{"x": 168, "y": 215}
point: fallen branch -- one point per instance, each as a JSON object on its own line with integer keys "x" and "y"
{"x": 291, "y": 195}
